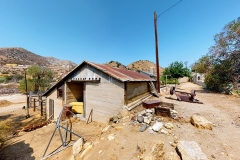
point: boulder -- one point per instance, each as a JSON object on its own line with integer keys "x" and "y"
{"x": 77, "y": 146}
{"x": 201, "y": 122}
{"x": 189, "y": 150}
{"x": 171, "y": 156}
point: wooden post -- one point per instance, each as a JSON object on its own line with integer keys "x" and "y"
{"x": 41, "y": 107}
{"x": 34, "y": 105}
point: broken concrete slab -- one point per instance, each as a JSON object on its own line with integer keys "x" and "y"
{"x": 201, "y": 122}
{"x": 189, "y": 150}
{"x": 77, "y": 146}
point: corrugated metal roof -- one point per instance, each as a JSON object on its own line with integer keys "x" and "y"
{"x": 121, "y": 74}
{"x": 118, "y": 73}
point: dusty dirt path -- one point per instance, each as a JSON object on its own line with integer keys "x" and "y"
{"x": 221, "y": 143}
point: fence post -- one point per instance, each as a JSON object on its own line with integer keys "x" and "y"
{"x": 34, "y": 105}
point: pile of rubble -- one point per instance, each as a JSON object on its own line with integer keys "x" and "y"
{"x": 148, "y": 118}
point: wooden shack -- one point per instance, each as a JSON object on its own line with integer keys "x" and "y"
{"x": 101, "y": 88}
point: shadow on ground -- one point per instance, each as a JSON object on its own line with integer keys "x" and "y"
{"x": 17, "y": 150}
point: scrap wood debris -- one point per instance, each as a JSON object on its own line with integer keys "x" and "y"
{"x": 33, "y": 127}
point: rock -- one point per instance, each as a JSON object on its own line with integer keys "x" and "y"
{"x": 77, "y": 146}
{"x": 100, "y": 152}
{"x": 164, "y": 131}
{"x": 142, "y": 113}
{"x": 168, "y": 125}
{"x": 150, "y": 130}
{"x": 171, "y": 156}
{"x": 106, "y": 128}
{"x": 85, "y": 151}
{"x": 111, "y": 136}
{"x": 124, "y": 112}
{"x": 147, "y": 119}
{"x": 118, "y": 127}
{"x": 157, "y": 126}
{"x": 190, "y": 150}
{"x": 143, "y": 128}
{"x": 149, "y": 111}
{"x": 115, "y": 119}
{"x": 157, "y": 152}
{"x": 140, "y": 119}
{"x": 201, "y": 122}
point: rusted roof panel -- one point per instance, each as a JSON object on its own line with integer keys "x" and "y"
{"x": 121, "y": 74}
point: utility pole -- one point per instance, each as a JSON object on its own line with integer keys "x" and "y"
{"x": 27, "y": 116}
{"x": 156, "y": 44}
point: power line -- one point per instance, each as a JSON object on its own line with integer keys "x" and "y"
{"x": 169, "y": 8}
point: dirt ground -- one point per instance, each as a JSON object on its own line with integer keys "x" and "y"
{"x": 220, "y": 143}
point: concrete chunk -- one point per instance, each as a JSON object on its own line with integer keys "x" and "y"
{"x": 189, "y": 150}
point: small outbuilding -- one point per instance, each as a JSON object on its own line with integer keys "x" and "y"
{"x": 100, "y": 88}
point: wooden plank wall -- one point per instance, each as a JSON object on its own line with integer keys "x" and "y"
{"x": 74, "y": 92}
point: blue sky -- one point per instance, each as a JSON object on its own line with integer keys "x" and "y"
{"x": 122, "y": 30}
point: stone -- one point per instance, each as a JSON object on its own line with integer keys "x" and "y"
{"x": 171, "y": 156}
{"x": 149, "y": 111}
{"x": 201, "y": 122}
{"x": 144, "y": 127}
{"x": 140, "y": 119}
{"x": 157, "y": 126}
{"x": 111, "y": 136}
{"x": 77, "y": 146}
{"x": 147, "y": 119}
{"x": 85, "y": 151}
{"x": 100, "y": 152}
{"x": 168, "y": 125}
{"x": 124, "y": 112}
{"x": 106, "y": 128}
{"x": 115, "y": 119}
{"x": 118, "y": 127}
{"x": 190, "y": 150}
{"x": 164, "y": 131}
{"x": 173, "y": 144}
{"x": 157, "y": 152}
{"x": 142, "y": 112}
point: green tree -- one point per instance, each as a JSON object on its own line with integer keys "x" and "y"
{"x": 38, "y": 79}
{"x": 225, "y": 58}
{"x": 177, "y": 70}
{"x": 202, "y": 65}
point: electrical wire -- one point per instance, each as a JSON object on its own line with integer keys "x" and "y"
{"x": 169, "y": 8}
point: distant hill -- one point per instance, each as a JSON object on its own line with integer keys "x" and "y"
{"x": 115, "y": 64}
{"x": 143, "y": 65}
{"x": 22, "y": 56}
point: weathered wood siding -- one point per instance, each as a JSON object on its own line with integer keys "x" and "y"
{"x": 135, "y": 89}
{"x": 74, "y": 92}
{"x": 57, "y": 104}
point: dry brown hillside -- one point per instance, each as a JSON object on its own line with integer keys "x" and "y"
{"x": 115, "y": 64}
{"x": 143, "y": 65}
